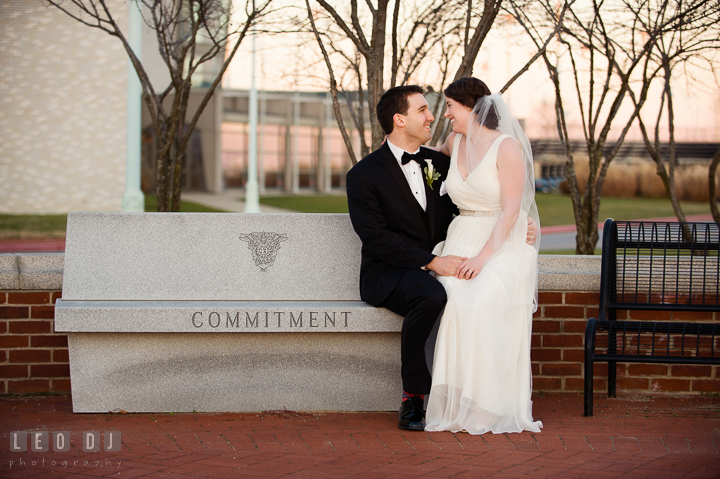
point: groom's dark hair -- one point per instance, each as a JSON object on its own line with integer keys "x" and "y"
{"x": 394, "y": 101}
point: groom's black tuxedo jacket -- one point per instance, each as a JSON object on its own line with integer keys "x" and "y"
{"x": 396, "y": 233}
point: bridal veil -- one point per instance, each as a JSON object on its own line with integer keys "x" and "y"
{"x": 490, "y": 116}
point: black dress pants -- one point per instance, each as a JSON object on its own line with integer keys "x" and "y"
{"x": 420, "y": 298}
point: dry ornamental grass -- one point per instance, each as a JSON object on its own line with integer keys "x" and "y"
{"x": 640, "y": 179}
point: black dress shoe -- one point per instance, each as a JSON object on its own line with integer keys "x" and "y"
{"x": 412, "y": 415}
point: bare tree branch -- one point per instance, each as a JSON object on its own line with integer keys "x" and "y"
{"x": 333, "y": 88}
{"x": 541, "y": 51}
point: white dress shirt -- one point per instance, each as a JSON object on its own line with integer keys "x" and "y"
{"x": 413, "y": 173}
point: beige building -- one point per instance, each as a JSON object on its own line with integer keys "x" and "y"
{"x": 63, "y": 104}
{"x": 63, "y": 112}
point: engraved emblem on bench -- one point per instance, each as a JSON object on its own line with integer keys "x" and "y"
{"x": 264, "y": 246}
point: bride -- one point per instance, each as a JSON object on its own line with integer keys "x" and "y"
{"x": 481, "y": 376}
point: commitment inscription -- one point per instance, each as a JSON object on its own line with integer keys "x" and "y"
{"x": 264, "y": 246}
{"x": 268, "y": 320}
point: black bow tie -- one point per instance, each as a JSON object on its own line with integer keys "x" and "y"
{"x": 408, "y": 157}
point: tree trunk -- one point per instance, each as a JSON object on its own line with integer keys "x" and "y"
{"x": 375, "y": 71}
{"x": 491, "y": 8}
{"x": 669, "y": 185}
{"x": 673, "y": 154}
{"x": 654, "y": 151}
{"x": 162, "y": 179}
{"x": 587, "y": 232}
{"x": 178, "y": 164}
{"x": 711, "y": 187}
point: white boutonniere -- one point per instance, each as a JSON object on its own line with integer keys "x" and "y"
{"x": 430, "y": 174}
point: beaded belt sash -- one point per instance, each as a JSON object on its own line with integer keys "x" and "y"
{"x": 479, "y": 213}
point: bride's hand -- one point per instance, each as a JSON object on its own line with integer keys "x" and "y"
{"x": 470, "y": 268}
{"x": 531, "y": 232}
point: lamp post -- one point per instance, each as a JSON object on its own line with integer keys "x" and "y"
{"x": 252, "y": 196}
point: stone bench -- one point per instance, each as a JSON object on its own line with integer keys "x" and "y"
{"x": 222, "y": 312}
{"x": 171, "y": 312}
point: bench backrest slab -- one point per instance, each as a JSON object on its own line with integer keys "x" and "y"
{"x": 210, "y": 256}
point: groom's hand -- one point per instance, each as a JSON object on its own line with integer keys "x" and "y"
{"x": 445, "y": 265}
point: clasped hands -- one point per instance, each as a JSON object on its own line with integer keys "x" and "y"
{"x": 468, "y": 268}
{"x": 458, "y": 266}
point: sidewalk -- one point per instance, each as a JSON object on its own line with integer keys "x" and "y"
{"x": 228, "y": 200}
{"x": 32, "y": 245}
{"x": 636, "y": 437}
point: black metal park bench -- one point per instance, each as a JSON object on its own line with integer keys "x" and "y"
{"x": 654, "y": 266}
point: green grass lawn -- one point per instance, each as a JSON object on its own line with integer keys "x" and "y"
{"x": 309, "y": 204}
{"x": 554, "y": 210}
{"x": 185, "y": 206}
{"x": 32, "y": 226}
{"x": 53, "y": 226}
{"x": 557, "y": 209}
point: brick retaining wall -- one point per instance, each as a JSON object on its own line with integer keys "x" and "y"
{"x": 558, "y": 351}
{"x": 34, "y": 359}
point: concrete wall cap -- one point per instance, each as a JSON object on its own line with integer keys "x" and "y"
{"x": 41, "y": 271}
{"x": 9, "y": 272}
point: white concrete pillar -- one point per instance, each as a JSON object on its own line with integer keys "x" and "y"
{"x": 133, "y": 199}
{"x": 261, "y": 153}
{"x": 296, "y": 144}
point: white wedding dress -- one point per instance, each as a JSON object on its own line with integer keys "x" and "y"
{"x": 481, "y": 380}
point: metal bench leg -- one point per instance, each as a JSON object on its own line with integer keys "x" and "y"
{"x": 589, "y": 348}
{"x": 588, "y": 388}
{"x": 612, "y": 378}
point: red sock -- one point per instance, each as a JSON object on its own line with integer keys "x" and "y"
{"x": 407, "y": 396}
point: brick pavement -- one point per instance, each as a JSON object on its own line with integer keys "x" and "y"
{"x": 638, "y": 437}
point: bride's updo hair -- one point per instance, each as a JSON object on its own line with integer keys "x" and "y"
{"x": 468, "y": 91}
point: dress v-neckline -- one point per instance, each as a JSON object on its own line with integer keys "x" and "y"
{"x": 456, "y": 150}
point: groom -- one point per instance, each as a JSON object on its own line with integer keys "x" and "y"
{"x": 400, "y": 215}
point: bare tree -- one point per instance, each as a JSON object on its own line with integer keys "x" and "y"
{"x": 189, "y": 33}
{"x": 679, "y": 47}
{"x": 427, "y": 30}
{"x": 448, "y": 51}
{"x": 608, "y": 46}
{"x": 472, "y": 39}
{"x": 472, "y": 47}
{"x": 372, "y": 49}
{"x": 367, "y": 32}
{"x": 439, "y": 31}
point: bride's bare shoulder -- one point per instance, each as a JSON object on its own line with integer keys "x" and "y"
{"x": 509, "y": 150}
